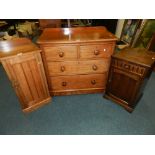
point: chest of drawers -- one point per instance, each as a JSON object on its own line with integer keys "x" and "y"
{"x": 76, "y": 60}
{"x": 129, "y": 72}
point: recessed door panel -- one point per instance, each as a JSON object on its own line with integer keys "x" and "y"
{"x": 121, "y": 85}
{"x": 28, "y": 79}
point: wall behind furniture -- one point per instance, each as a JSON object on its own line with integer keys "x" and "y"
{"x": 119, "y": 27}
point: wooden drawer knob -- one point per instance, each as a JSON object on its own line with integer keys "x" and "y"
{"x": 64, "y": 83}
{"x": 62, "y": 68}
{"x": 96, "y": 52}
{"x": 61, "y": 54}
{"x": 93, "y": 82}
{"x": 94, "y": 67}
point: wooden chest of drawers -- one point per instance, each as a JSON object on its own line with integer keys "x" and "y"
{"x": 130, "y": 69}
{"x": 76, "y": 60}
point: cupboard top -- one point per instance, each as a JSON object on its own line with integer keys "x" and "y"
{"x": 137, "y": 55}
{"x": 75, "y": 35}
{"x": 16, "y": 46}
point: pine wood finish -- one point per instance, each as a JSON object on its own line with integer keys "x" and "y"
{"x": 76, "y": 82}
{"x": 78, "y": 67}
{"x": 60, "y": 53}
{"x": 129, "y": 72}
{"x": 76, "y": 60}
{"x": 23, "y": 64}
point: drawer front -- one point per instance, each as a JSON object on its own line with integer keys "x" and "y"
{"x": 78, "y": 67}
{"x": 62, "y": 68}
{"x": 78, "y": 82}
{"x": 60, "y": 52}
{"x": 129, "y": 67}
{"x": 96, "y": 51}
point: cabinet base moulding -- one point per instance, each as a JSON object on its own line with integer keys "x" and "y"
{"x": 119, "y": 102}
{"x": 82, "y": 91}
{"x": 38, "y": 105}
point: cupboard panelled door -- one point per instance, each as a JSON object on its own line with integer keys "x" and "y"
{"x": 28, "y": 78}
{"x": 122, "y": 85}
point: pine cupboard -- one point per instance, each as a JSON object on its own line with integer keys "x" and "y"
{"x": 22, "y": 62}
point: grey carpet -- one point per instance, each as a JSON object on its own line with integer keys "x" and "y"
{"x": 76, "y": 114}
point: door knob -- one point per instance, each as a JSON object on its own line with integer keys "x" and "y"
{"x": 15, "y": 84}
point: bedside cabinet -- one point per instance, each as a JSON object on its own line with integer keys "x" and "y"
{"x": 129, "y": 72}
{"x": 22, "y": 62}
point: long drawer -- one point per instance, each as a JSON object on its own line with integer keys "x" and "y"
{"x": 78, "y": 82}
{"x": 60, "y": 52}
{"x": 96, "y": 51}
{"x": 78, "y": 67}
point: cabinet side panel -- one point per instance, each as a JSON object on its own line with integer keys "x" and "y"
{"x": 45, "y": 67}
{"x": 42, "y": 74}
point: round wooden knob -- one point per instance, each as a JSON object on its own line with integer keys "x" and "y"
{"x": 96, "y": 52}
{"x": 153, "y": 58}
{"x": 64, "y": 83}
{"x": 62, "y": 68}
{"x": 94, "y": 67}
{"x": 61, "y": 54}
{"x": 93, "y": 82}
{"x": 104, "y": 49}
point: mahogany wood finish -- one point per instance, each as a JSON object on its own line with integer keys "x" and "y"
{"x": 129, "y": 71}
{"x": 45, "y": 23}
{"x": 22, "y": 62}
{"x": 76, "y": 60}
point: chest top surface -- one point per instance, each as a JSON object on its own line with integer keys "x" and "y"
{"x": 137, "y": 55}
{"x": 16, "y": 46}
{"x": 75, "y": 35}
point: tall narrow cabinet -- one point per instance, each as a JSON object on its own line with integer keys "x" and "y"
{"x": 22, "y": 62}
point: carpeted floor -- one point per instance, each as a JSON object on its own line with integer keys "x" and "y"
{"x": 76, "y": 114}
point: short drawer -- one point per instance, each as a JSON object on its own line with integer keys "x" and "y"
{"x": 128, "y": 66}
{"x": 78, "y": 82}
{"x": 60, "y": 52}
{"x": 96, "y": 51}
{"x": 78, "y": 67}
